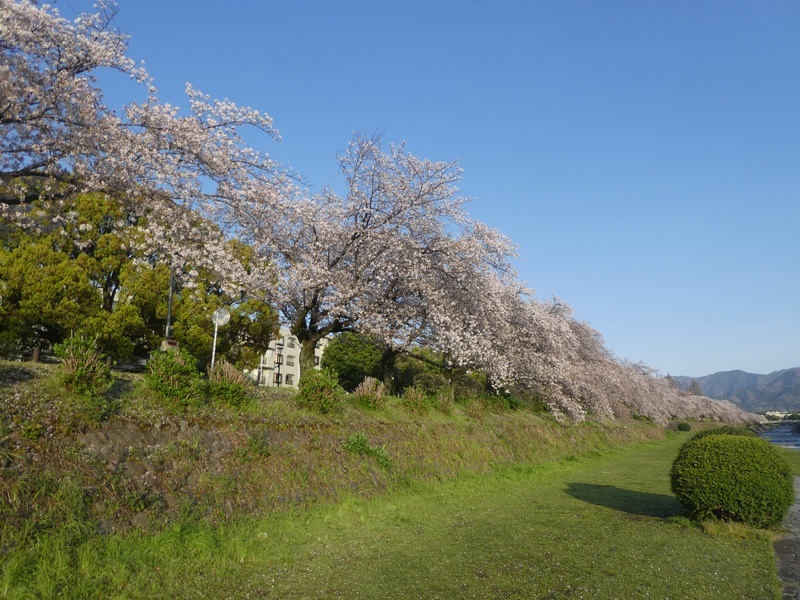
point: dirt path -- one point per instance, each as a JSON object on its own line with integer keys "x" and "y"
{"x": 787, "y": 550}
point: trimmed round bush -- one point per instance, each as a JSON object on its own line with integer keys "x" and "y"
{"x": 724, "y": 430}
{"x": 733, "y": 478}
{"x": 684, "y": 427}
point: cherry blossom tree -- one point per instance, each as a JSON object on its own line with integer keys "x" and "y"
{"x": 57, "y": 137}
{"x": 382, "y": 258}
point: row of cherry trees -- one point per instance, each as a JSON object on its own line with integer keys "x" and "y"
{"x": 395, "y": 255}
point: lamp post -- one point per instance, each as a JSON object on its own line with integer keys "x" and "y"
{"x": 279, "y": 360}
{"x": 169, "y": 304}
{"x": 220, "y": 317}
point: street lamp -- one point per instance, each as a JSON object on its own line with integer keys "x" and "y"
{"x": 220, "y": 317}
{"x": 279, "y": 360}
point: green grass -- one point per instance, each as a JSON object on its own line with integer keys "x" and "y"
{"x": 596, "y": 527}
{"x": 793, "y": 456}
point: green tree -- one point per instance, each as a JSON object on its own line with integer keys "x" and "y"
{"x": 353, "y": 357}
{"x": 46, "y": 296}
{"x": 85, "y": 275}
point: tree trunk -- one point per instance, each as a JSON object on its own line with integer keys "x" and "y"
{"x": 387, "y": 367}
{"x": 307, "y": 353}
{"x": 37, "y": 350}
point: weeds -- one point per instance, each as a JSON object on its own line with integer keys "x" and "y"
{"x": 416, "y": 401}
{"x": 358, "y": 443}
{"x": 84, "y": 368}
{"x": 227, "y": 384}
{"x": 371, "y": 394}
{"x": 175, "y": 378}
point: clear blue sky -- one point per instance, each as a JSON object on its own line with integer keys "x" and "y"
{"x": 645, "y": 155}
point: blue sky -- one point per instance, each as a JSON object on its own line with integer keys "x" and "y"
{"x": 644, "y": 155}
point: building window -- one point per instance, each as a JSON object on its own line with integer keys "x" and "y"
{"x": 290, "y": 342}
{"x": 277, "y": 379}
{"x": 289, "y": 379}
{"x": 279, "y": 359}
{"x": 316, "y": 361}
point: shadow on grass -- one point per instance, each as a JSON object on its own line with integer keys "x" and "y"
{"x": 12, "y": 375}
{"x": 119, "y": 388}
{"x": 632, "y": 502}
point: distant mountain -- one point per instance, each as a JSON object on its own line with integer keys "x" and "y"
{"x": 754, "y": 393}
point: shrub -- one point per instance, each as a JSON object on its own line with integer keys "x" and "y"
{"x": 415, "y": 400}
{"x": 467, "y": 386}
{"x": 174, "y": 377}
{"x": 430, "y": 383}
{"x": 319, "y": 390}
{"x": 684, "y": 427}
{"x": 733, "y": 478}
{"x": 83, "y": 368}
{"x": 725, "y": 430}
{"x": 228, "y": 384}
{"x": 371, "y": 393}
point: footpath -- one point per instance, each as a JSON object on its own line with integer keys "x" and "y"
{"x": 787, "y": 549}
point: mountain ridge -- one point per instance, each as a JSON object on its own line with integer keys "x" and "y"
{"x": 753, "y": 392}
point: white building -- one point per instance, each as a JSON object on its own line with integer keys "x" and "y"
{"x": 280, "y": 364}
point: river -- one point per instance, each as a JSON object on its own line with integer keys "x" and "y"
{"x": 783, "y": 434}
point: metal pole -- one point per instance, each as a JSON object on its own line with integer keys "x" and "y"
{"x": 214, "y": 347}
{"x": 169, "y": 304}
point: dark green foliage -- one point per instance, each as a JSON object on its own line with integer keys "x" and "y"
{"x": 358, "y": 443}
{"x": 174, "y": 376}
{"x": 684, "y": 427}
{"x": 733, "y": 478}
{"x": 353, "y": 357}
{"x": 468, "y": 385}
{"x": 227, "y": 384}
{"x": 532, "y": 399}
{"x": 319, "y": 391}
{"x": 430, "y": 383}
{"x": 407, "y": 367}
{"x": 498, "y": 403}
{"x": 83, "y": 369}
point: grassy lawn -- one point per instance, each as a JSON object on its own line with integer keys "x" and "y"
{"x": 600, "y": 527}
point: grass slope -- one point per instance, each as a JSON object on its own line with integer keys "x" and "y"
{"x": 598, "y": 527}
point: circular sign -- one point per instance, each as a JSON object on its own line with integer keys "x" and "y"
{"x": 220, "y": 316}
